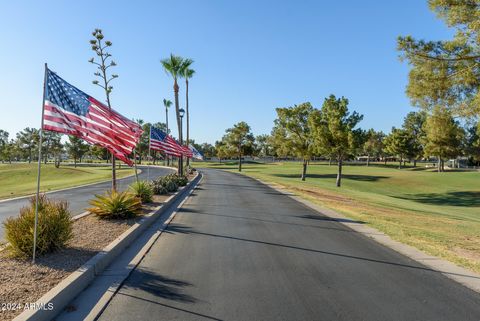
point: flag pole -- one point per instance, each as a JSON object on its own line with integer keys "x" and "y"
{"x": 135, "y": 163}
{"x": 149, "y": 156}
{"x": 35, "y": 228}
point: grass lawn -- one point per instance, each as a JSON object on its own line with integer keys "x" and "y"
{"x": 21, "y": 179}
{"x": 438, "y": 213}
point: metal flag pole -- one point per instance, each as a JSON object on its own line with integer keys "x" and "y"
{"x": 35, "y": 228}
{"x": 135, "y": 163}
{"x": 149, "y": 156}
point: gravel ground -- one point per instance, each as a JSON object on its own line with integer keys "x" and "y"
{"x": 22, "y": 282}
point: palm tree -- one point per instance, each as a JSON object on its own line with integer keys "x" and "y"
{"x": 187, "y": 73}
{"x": 167, "y": 103}
{"x": 173, "y": 66}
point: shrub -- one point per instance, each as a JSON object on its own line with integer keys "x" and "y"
{"x": 159, "y": 187}
{"x": 54, "y": 228}
{"x": 143, "y": 190}
{"x": 171, "y": 186}
{"x": 116, "y": 205}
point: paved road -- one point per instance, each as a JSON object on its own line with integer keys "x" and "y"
{"x": 238, "y": 250}
{"x": 77, "y": 197}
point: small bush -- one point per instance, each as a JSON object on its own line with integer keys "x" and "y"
{"x": 116, "y": 205}
{"x": 54, "y": 228}
{"x": 143, "y": 190}
{"x": 159, "y": 187}
{"x": 171, "y": 186}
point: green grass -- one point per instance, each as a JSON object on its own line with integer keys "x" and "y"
{"x": 21, "y": 179}
{"x": 436, "y": 212}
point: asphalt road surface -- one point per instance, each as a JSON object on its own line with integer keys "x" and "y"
{"x": 238, "y": 250}
{"x": 78, "y": 197}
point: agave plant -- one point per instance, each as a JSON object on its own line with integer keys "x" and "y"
{"x": 143, "y": 190}
{"x": 115, "y": 204}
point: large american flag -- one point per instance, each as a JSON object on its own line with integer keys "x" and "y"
{"x": 165, "y": 143}
{"x": 70, "y": 111}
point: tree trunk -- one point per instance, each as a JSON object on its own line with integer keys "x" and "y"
{"x": 179, "y": 125}
{"x": 439, "y": 166}
{"x": 415, "y": 162}
{"x": 368, "y": 160}
{"x": 385, "y": 160}
{"x": 75, "y": 162}
{"x": 304, "y": 169}
{"x": 188, "y": 117}
{"x": 400, "y": 163}
{"x": 339, "y": 173}
{"x": 240, "y": 162}
{"x": 330, "y": 161}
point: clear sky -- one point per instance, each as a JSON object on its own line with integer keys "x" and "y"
{"x": 250, "y": 56}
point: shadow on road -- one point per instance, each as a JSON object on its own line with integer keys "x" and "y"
{"x": 362, "y": 178}
{"x": 329, "y": 219}
{"x": 189, "y": 230}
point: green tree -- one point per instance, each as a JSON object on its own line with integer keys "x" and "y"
{"x": 208, "y": 150}
{"x": 173, "y": 66}
{"x": 76, "y": 148}
{"x": 28, "y": 140}
{"x": 399, "y": 144}
{"x": 373, "y": 144}
{"x": 413, "y": 124}
{"x": 263, "y": 145}
{"x": 292, "y": 122}
{"x": 443, "y": 136}
{"x": 100, "y": 47}
{"x": 187, "y": 73}
{"x": 278, "y": 141}
{"x": 447, "y": 73}
{"x": 3, "y": 141}
{"x": 239, "y": 139}
{"x": 50, "y": 139}
{"x": 334, "y": 130}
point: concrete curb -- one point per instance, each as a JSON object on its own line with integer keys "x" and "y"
{"x": 454, "y": 272}
{"x": 53, "y": 302}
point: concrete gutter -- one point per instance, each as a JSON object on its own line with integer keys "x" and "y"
{"x": 457, "y": 273}
{"x": 59, "y": 297}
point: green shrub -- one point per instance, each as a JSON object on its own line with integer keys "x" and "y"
{"x": 171, "y": 186}
{"x": 116, "y": 205}
{"x": 54, "y": 228}
{"x": 143, "y": 190}
{"x": 159, "y": 186}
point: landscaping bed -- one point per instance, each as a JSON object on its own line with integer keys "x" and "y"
{"x": 22, "y": 282}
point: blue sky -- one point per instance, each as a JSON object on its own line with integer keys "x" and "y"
{"x": 250, "y": 56}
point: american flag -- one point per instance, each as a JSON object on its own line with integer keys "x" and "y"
{"x": 70, "y": 111}
{"x": 165, "y": 143}
{"x": 187, "y": 152}
{"x": 195, "y": 153}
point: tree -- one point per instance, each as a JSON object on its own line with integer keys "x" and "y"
{"x": 207, "y": 150}
{"x": 413, "y": 124}
{"x": 167, "y": 104}
{"x": 28, "y": 139}
{"x": 399, "y": 143}
{"x": 187, "y": 73}
{"x": 50, "y": 139}
{"x": 3, "y": 141}
{"x": 373, "y": 144}
{"x": 292, "y": 122}
{"x": 173, "y": 66}
{"x": 239, "y": 139}
{"x": 334, "y": 130}
{"x": 278, "y": 141}
{"x": 76, "y": 148}
{"x": 99, "y": 46}
{"x": 447, "y": 73}
{"x": 473, "y": 143}
{"x": 443, "y": 136}
{"x": 263, "y": 145}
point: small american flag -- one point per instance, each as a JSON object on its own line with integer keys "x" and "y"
{"x": 70, "y": 111}
{"x": 187, "y": 151}
{"x": 195, "y": 153}
{"x": 165, "y": 143}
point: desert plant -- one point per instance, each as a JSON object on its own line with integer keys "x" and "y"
{"x": 54, "y": 227}
{"x": 116, "y": 205}
{"x": 159, "y": 187}
{"x": 143, "y": 190}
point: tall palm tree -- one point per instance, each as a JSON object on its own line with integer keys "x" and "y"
{"x": 167, "y": 103}
{"x": 173, "y": 66}
{"x": 187, "y": 73}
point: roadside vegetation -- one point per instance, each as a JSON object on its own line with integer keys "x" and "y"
{"x": 19, "y": 179}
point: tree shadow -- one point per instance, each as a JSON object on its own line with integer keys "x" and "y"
{"x": 158, "y": 285}
{"x": 418, "y": 266}
{"x": 361, "y": 178}
{"x": 329, "y": 219}
{"x": 465, "y": 198}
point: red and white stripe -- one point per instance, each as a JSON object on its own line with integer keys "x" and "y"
{"x": 169, "y": 146}
{"x": 100, "y": 126}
